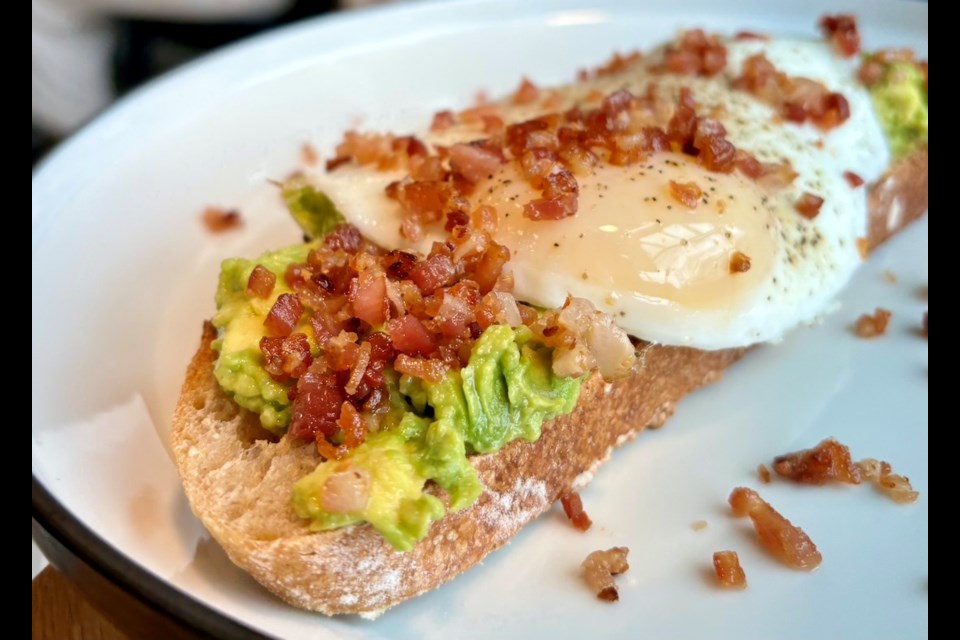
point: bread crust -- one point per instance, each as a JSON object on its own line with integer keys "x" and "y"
{"x": 239, "y": 480}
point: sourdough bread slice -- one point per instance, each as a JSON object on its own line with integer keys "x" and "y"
{"x": 239, "y": 479}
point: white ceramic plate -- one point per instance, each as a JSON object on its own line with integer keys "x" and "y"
{"x": 123, "y": 274}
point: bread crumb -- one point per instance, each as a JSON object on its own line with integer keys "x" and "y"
{"x": 698, "y": 525}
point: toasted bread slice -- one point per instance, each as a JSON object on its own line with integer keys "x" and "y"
{"x": 239, "y": 479}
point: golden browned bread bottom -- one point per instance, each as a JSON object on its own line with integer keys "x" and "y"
{"x": 239, "y": 482}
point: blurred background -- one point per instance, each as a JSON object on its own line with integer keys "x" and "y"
{"x": 87, "y": 53}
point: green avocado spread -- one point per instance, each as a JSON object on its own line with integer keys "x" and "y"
{"x": 505, "y": 393}
{"x": 900, "y": 101}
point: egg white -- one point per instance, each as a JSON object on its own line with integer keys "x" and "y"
{"x": 663, "y": 270}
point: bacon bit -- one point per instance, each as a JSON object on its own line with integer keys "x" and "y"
{"x": 573, "y": 507}
{"x": 308, "y": 154}
{"x": 797, "y": 99}
{"x": 787, "y": 542}
{"x": 474, "y": 162}
{"x": 358, "y": 370}
{"x": 526, "y": 93}
{"x": 352, "y": 424}
{"x": 739, "y": 262}
{"x": 550, "y": 208}
{"x": 853, "y": 179}
{"x": 409, "y": 336}
{"x": 261, "y": 282}
{"x": 429, "y": 370}
{"x": 346, "y": 491}
{"x": 286, "y": 358}
{"x": 686, "y": 193}
{"x": 925, "y": 325}
{"x": 329, "y": 451}
{"x": 284, "y": 314}
{"x": 809, "y": 205}
{"x": 369, "y": 297}
{"x": 764, "y": 474}
{"x": 218, "y": 219}
{"x": 316, "y": 407}
{"x": 436, "y": 271}
{"x": 599, "y": 568}
{"x": 442, "y": 120}
{"x": 829, "y": 461}
{"x": 476, "y": 114}
{"x": 863, "y": 248}
{"x": 696, "y": 54}
{"x": 698, "y": 525}
{"x": 842, "y": 32}
{"x": 872, "y": 326}
{"x": 730, "y": 574}
{"x": 895, "y": 487}
{"x": 750, "y": 35}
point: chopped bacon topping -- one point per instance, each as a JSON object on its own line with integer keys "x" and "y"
{"x": 853, "y": 179}
{"x": 842, "y": 33}
{"x": 599, "y": 568}
{"x": 895, "y": 487}
{"x": 286, "y": 358}
{"x": 787, "y": 542}
{"x": 696, "y": 53}
{"x": 442, "y": 120}
{"x": 686, "y": 193}
{"x": 829, "y": 461}
{"x": 284, "y": 314}
{"x": 261, "y": 282}
{"x": 573, "y": 507}
{"x": 739, "y": 262}
{"x": 872, "y": 325}
{"x": 526, "y": 93}
{"x": 218, "y": 219}
{"x": 797, "y": 99}
{"x": 808, "y": 205}
{"x": 763, "y": 473}
{"x": 726, "y": 564}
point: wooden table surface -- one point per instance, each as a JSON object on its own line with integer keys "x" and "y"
{"x": 60, "y": 612}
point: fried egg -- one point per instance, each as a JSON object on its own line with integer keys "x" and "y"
{"x": 662, "y": 269}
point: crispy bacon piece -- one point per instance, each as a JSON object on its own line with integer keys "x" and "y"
{"x": 425, "y": 369}
{"x": 853, "y": 179}
{"x": 695, "y": 54}
{"x": 808, "y": 205}
{"x": 369, "y": 297}
{"x": 316, "y": 408}
{"x": 285, "y": 358}
{"x": 526, "y": 93}
{"x": 261, "y": 282}
{"x": 872, "y": 325}
{"x": 739, "y": 262}
{"x": 409, "y": 336}
{"x": 573, "y": 507}
{"x": 686, "y": 193}
{"x": 787, "y": 542}
{"x": 599, "y": 568}
{"x": 842, "y": 32}
{"x": 442, "y": 120}
{"x": 726, "y": 564}
{"x": 474, "y": 162}
{"x": 895, "y": 487}
{"x": 352, "y": 424}
{"x": 829, "y": 461}
{"x": 284, "y": 314}
{"x": 436, "y": 271}
{"x": 218, "y": 219}
{"x": 763, "y": 473}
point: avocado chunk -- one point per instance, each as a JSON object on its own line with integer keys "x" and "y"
{"x": 311, "y": 209}
{"x": 900, "y": 101}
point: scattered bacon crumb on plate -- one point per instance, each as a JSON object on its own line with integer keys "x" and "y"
{"x": 730, "y": 574}
{"x": 599, "y": 568}
{"x": 698, "y": 525}
{"x": 872, "y": 325}
{"x": 829, "y": 461}
{"x": 892, "y": 485}
{"x": 218, "y": 219}
{"x": 764, "y": 473}
{"x": 573, "y": 507}
{"x": 784, "y": 540}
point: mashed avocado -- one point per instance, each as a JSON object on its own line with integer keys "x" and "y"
{"x": 239, "y": 320}
{"x": 504, "y": 393}
{"x": 900, "y": 100}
